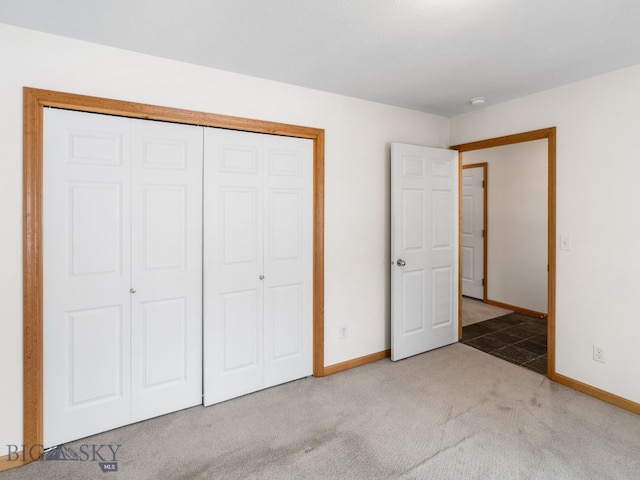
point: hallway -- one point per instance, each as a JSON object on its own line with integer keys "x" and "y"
{"x": 516, "y": 338}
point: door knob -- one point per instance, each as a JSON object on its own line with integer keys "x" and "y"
{"x": 401, "y": 262}
{"x": 261, "y": 277}
{"x": 132, "y": 290}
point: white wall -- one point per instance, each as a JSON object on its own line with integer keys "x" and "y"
{"x": 517, "y": 223}
{"x": 598, "y": 168}
{"x": 356, "y": 178}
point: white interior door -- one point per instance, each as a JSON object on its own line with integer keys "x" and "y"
{"x": 288, "y": 250}
{"x": 257, "y": 262}
{"x": 233, "y": 256}
{"x": 166, "y": 273}
{"x": 86, "y": 274}
{"x": 121, "y": 211}
{"x": 424, "y": 249}
{"x": 473, "y": 234}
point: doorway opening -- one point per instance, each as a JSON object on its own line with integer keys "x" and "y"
{"x": 549, "y": 135}
{"x": 474, "y": 230}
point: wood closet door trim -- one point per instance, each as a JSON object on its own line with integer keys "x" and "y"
{"x": 34, "y": 101}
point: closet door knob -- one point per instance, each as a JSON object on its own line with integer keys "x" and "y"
{"x": 261, "y": 277}
{"x": 132, "y": 290}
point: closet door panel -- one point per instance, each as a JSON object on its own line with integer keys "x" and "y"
{"x": 95, "y": 347}
{"x": 240, "y": 335}
{"x": 286, "y": 331}
{"x": 164, "y": 234}
{"x": 122, "y": 271}
{"x": 258, "y": 257}
{"x": 86, "y": 274}
{"x": 288, "y": 263}
{"x": 167, "y": 267}
{"x": 233, "y": 260}
{"x": 95, "y": 228}
{"x": 163, "y": 343}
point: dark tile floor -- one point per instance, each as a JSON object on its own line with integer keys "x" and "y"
{"x": 515, "y": 337}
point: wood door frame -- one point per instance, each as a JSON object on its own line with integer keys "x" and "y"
{"x": 34, "y": 102}
{"x": 548, "y": 134}
{"x": 485, "y": 222}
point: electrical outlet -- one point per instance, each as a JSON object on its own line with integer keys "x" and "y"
{"x": 598, "y": 354}
{"x": 343, "y": 331}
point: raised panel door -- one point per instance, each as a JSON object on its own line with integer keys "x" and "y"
{"x": 122, "y": 271}
{"x": 233, "y": 265}
{"x": 423, "y": 249}
{"x": 166, "y": 239}
{"x": 86, "y": 268}
{"x": 258, "y": 247}
{"x": 287, "y": 261}
{"x": 473, "y": 232}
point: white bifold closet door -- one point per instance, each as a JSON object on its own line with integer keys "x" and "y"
{"x": 122, "y": 239}
{"x": 258, "y": 211}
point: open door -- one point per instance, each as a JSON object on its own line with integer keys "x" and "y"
{"x": 424, "y": 249}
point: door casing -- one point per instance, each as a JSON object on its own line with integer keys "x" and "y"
{"x": 34, "y": 101}
{"x": 550, "y": 135}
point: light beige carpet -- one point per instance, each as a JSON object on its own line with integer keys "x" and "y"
{"x": 453, "y": 413}
{"x": 474, "y": 311}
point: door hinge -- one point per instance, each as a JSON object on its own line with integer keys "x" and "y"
{"x": 483, "y": 282}
{"x": 482, "y": 183}
{"x": 483, "y": 233}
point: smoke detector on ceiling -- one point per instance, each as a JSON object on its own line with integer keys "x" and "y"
{"x": 478, "y": 101}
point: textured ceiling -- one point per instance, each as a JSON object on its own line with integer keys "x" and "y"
{"x": 428, "y": 55}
